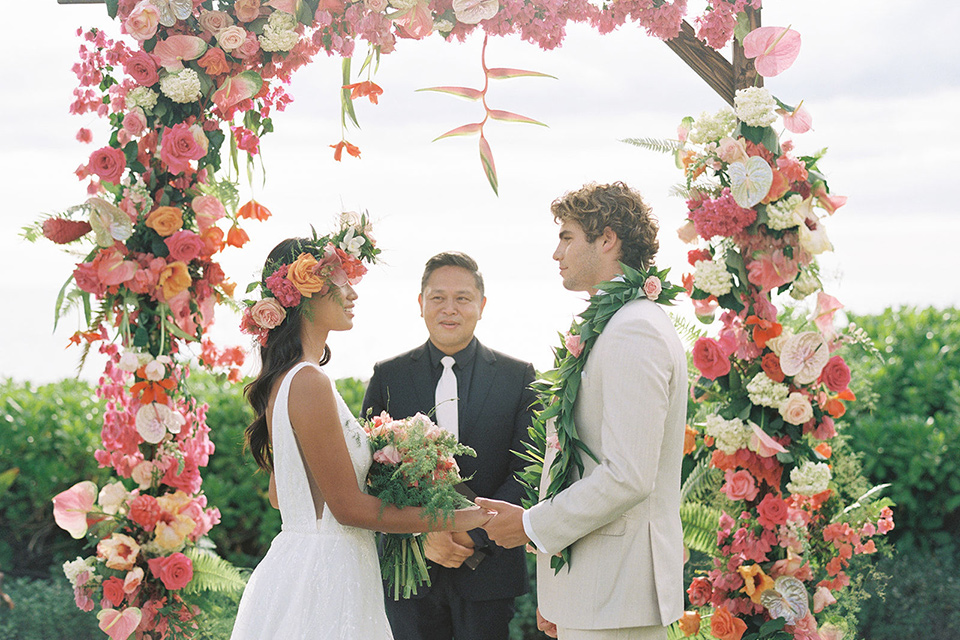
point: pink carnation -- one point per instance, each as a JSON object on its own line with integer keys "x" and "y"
{"x": 720, "y": 216}
{"x": 282, "y": 289}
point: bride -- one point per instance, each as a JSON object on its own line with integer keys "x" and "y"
{"x": 321, "y": 577}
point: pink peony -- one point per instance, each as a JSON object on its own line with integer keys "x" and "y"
{"x": 174, "y": 571}
{"x": 710, "y": 358}
{"x": 143, "y": 21}
{"x": 180, "y": 145}
{"x": 184, "y": 245}
{"x": 108, "y": 163}
{"x": 739, "y": 485}
{"x": 142, "y": 68}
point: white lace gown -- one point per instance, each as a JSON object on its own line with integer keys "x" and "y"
{"x": 319, "y": 580}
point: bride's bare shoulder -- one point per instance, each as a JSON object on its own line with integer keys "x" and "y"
{"x": 310, "y": 393}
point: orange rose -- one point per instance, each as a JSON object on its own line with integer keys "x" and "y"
{"x": 212, "y": 240}
{"x": 165, "y": 220}
{"x": 725, "y": 626}
{"x": 174, "y": 279}
{"x": 689, "y": 440}
{"x": 303, "y": 275}
{"x": 690, "y": 623}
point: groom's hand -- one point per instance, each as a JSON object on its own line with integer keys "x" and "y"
{"x": 505, "y": 528}
{"x": 546, "y": 626}
{"x": 448, "y": 549}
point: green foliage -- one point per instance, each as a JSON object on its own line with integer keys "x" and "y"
{"x": 44, "y": 610}
{"x": 908, "y": 431}
{"x": 352, "y": 390}
{"x": 655, "y": 144}
{"x": 700, "y": 524}
{"x": 212, "y": 573}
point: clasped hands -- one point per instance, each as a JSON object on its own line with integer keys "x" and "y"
{"x": 505, "y": 527}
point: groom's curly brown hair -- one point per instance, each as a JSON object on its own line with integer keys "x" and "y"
{"x": 598, "y": 206}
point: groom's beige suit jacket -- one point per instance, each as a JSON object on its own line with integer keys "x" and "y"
{"x": 622, "y": 517}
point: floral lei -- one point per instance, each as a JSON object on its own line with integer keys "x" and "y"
{"x": 558, "y": 387}
{"x": 329, "y": 261}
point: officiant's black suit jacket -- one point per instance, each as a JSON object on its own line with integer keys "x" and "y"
{"x": 494, "y": 422}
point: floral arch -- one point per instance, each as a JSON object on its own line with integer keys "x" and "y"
{"x": 196, "y": 82}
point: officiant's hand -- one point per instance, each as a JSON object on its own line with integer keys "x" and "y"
{"x": 546, "y": 626}
{"x": 506, "y": 527}
{"x": 448, "y": 548}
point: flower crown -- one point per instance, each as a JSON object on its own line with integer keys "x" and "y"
{"x": 323, "y": 263}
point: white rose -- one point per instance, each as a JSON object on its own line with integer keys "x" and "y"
{"x": 796, "y": 409}
{"x": 112, "y": 497}
{"x": 231, "y": 37}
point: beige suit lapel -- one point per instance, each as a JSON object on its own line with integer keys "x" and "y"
{"x": 549, "y": 456}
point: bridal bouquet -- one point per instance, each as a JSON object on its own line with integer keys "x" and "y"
{"x": 413, "y": 465}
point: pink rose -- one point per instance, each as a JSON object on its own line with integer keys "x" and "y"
{"x": 208, "y": 210}
{"x": 388, "y": 455}
{"x": 731, "y": 150}
{"x": 739, "y": 485}
{"x": 652, "y": 287}
{"x": 180, "y": 145}
{"x": 141, "y": 67}
{"x": 113, "y": 590}
{"x": 143, "y": 21}
{"x": 796, "y": 409}
{"x": 247, "y": 10}
{"x": 184, "y": 245}
{"x": 108, "y": 163}
{"x": 231, "y": 37}
{"x": 699, "y": 591}
{"x": 710, "y": 358}
{"x": 135, "y": 122}
{"x": 376, "y": 6}
{"x": 836, "y": 374}
{"x": 215, "y": 21}
{"x": 249, "y": 48}
{"x": 573, "y": 344}
{"x": 174, "y": 571}
{"x": 268, "y": 313}
{"x": 772, "y": 511}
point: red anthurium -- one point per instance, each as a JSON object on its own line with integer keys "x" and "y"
{"x": 774, "y": 49}
{"x": 365, "y": 88}
{"x": 340, "y": 146}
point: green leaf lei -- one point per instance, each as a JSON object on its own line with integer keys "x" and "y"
{"x": 558, "y": 387}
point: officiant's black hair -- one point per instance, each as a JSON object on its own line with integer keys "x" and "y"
{"x": 452, "y": 259}
{"x": 282, "y": 350}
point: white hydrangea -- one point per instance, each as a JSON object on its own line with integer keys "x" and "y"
{"x": 73, "y": 568}
{"x": 711, "y": 276}
{"x": 443, "y": 26}
{"x": 765, "y": 392}
{"x": 403, "y": 5}
{"x": 282, "y": 21}
{"x": 711, "y": 128}
{"x": 141, "y": 97}
{"x": 755, "y": 106}
{"x": 182, "y": 86}
{"x": 278, "y": 33}
{"x": 805, "y": 284}
{"x": 809, "y": 479}
{"x": 728, "y": 435}
{"x": 784, "y": 214}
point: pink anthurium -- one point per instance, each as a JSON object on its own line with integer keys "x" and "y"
{"x": 119, "y": 625}
{"x": 774, "y": 49}
{"x": 70, "y": 507}
{"x": 763, "y": 444}
{"x": 827, "y": 305}
{"x": 798, "y": 120}
{"x": 172, "y": 51}
{"x": 237, "y": 88}
{"x": 289, "y": 6}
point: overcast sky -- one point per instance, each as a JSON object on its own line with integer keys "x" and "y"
{"x": 881, "y": 79}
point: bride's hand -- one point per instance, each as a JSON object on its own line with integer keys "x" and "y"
{"x": 472, "y": 518}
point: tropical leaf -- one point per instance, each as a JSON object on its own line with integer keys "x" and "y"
{"x": 502, "y": 73}
{"x": 655, "y": 144}
{"x": 212, "y": 573}
{"x": 465, "y": 130}
{"x": 700, "y": 524}
{"x": 689, "y": 332}
{"x": 463, "y": 92}
{"x": 486, "y": 158}
{"x": 703, "y": 480}
{"x": 346, "y": 102}
{"x": 507, "y": 116}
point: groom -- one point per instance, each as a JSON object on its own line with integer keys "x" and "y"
{"x": 482, "y": 396}
{"x": 621, "y": 518}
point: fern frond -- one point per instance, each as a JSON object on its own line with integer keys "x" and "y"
{"x": 212, "y": 573}
{"x": 681, "y": 190}
{"x": 700, "y": 524}
{"x": 654, "y": 144}
{"x": 689, "y": 332}
{"x": 703, "y": 480}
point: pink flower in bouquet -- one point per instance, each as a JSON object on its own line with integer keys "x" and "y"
{"x": 763, "y": 444}
{"x": 84, "y": 136}
{"x": 573, "y": 344}
{"x": 836, "y": 374}
{"x": 143, "y": 21}
{"x": 113, "y": 591}
{"x": 720, "y": 216}
{"x": 119, "y": 551}
{"x": 796, "y": 409}
{"x": 388, "y": 455}
{"x": 827, "y": 306}
{"x": 772, "y": 511}
{"x": 216, "y": 21}
{"x": 108, "y": 163}
{"x": 184, "y": 245}
{"x": 174, "y": 571}
{"x": 134, "y": 122}
{"x": 772, "y": 270}
{"x": 81, "y": 596}
{"x": 730, "y": 150}
{"x": 710, "y": 358}
{"x": 739, "y": 485}
{"x": 247, "y": 10}
{"x": 822, "y": 598}
{"x": 70, "y": 507}
{"x": 208, "y": 210}
{"x": 828, "y": 202}
{"x": 119, "y": 625}
{"x": 268, "y": 313}
{"x": 141, "y": 66}
{"x": 699, "y": 591}
{"x": 652, "y": 287}
{"x": 132, "y": 580}
{"x": 180, "y": 145}
{"x": 112, "y": 269}
{"x": 416, "y": 22}
{"x": 145, "y": 511}
{"x": 231, "y": 37}
{"x": 250, "y": 47}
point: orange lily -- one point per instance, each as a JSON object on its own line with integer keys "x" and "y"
{"x": 340, "y": 146}
{"x": 152, "y": 391}
{"x": 365, "y": 88}
{"x": 89, "y": 336}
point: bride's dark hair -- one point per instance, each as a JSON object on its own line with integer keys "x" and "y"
{"x": 282, "y": 350}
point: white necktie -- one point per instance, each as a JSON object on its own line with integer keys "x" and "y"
{"x": 446, "y": 397}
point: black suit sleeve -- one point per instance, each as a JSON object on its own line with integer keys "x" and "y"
{"x": 373, "y": 401}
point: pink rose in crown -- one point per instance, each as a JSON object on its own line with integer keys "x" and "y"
{"x": 141, "y": 66}
{"x": 108, "y": 163}
{"x": 174, "y": 571}
{"x": 652, "y": 287}
{"x": 710, "y": 358}
{"x": 143, "y": 21}
{"x": 180, "y": 145}
{"x": 70, "y": 508}
{"x": 268, "y": 313}
{"x": 573, "y": 344}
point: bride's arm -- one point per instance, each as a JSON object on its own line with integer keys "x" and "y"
{"x": 313, "y": 414}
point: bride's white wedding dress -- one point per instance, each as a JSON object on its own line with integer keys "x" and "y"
{"x": 319, "y": 580}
